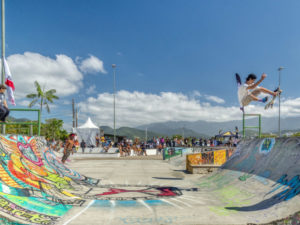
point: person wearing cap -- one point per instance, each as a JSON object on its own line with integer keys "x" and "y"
{"x": 4, "y": 111}
{"x": 68, "y": 147}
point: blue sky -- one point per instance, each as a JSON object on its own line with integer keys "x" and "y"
{"x": 190, "y": 47}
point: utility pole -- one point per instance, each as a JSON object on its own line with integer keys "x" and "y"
{"x": 3, "y": 50}
{"x": 279, "y": 79}
{"x": 73, "y": 112}
{"x": 76, "y": 117}
{"x": 146, "y": 135}
{"x": 114, "y": 69}
{"x": 3, "y": 40}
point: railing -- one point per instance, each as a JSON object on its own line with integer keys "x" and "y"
{"x": 251, "y": 127}
{"x": 170, "y": 152}
{"x": 30, "y": 123}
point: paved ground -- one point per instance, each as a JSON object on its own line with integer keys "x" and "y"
{"x": 200, "y": 201}
{"x": 255, "y": 186}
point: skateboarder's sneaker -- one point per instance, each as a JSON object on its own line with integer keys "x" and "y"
{"x": 277, "y": 91}
{"x": 265, "y": 99}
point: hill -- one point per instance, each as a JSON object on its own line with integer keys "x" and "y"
{"x": 141, "y": 133}
{"x": 269, "y": 125}
{"x": 131, "y": 133}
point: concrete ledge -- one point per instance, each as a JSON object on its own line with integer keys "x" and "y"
{"x": 97, "y": 157}
{"x": 202, "y": 169}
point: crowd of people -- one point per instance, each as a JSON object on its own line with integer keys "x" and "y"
{"x": 129, "y": 147}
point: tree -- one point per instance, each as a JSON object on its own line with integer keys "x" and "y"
{"x": 42, "y": 97}
{"x": 296, "y": 134}
{"x": 53, "y": 129}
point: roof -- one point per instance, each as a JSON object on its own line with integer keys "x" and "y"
{"x": 226, "y": 134}
{"x": 88, "y": 124}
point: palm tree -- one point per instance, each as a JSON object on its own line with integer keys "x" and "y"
{"x": 42, "y": 97}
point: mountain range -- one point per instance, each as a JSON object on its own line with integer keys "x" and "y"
{"x": 205, "y": 128}
{"x": 133, "y": 133}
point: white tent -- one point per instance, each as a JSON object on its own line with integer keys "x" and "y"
{"x": 87, "y": 132}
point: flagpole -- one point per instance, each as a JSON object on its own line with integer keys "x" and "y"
{"x": 3, "y": 40}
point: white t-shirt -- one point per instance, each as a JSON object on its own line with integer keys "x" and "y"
{"x": 242, "y": 92}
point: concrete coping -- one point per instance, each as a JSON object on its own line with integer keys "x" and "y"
{"x": 205, "y": 166}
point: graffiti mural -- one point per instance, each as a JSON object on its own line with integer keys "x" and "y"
{"x": 218, "y": 157}
{"x": 267, "y": 145}
{"x": 36, "y": 188}
{"x": 289, "y": 187}
{"x": 170, "y": 152}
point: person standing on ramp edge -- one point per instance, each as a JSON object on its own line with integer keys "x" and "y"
{"x": 4, "y": 111}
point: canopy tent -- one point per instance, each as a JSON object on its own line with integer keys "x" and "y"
{"x": 87, "y": 132}
{"x": 226, "y": 134}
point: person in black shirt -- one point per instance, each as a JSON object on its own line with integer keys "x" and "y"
{"x": 83, "y": 145}
{"x": 4, "y": 111}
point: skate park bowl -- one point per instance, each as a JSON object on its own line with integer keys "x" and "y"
{"x": 258, "y": 184}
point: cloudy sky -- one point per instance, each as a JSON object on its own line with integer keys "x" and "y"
{"x": 175, "y": 59}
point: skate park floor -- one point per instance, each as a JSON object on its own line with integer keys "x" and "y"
{"x": 258, "y": 184}
{"x": 200, "y": 202}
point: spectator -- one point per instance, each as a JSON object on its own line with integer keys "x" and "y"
{"x": 103, "y": 141}
{"x": 143, "y": 147}
{"x": 4, "y": 111}
{"x": 97, "y": 140}
{"x": 83, "y": 146}
{"x": 53, "y": 145}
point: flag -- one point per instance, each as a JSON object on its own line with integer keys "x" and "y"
{"x": 9, "y": 83}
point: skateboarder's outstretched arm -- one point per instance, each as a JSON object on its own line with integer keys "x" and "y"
{"x": 253, "y": 86}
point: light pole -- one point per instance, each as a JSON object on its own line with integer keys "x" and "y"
{"x": 3, "y": 49}
{"x": 3, "y": 39}
{"x": 114, "y": 69}
{"x": 279, "y": 78}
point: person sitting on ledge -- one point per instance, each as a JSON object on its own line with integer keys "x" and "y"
{"x": 4, "y": 111}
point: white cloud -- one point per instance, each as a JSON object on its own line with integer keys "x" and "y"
{"x": 137, "y": 108}
{"x": 66, "y": 102}
{"x": 119, "y": 53}
{"x": 24, "y": 103}
{"x": 91, "y": 90}
{"x": 60, "y": 73}
{"x": 195, "y": 94}
{"x": 92, "y": 65}
{"x": 215, "y": 99}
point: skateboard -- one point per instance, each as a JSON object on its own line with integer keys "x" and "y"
{"x": 271, "y": 102}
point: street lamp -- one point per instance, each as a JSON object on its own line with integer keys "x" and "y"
{"x": 279, "y": 78}
{"x": 114, "y": 69}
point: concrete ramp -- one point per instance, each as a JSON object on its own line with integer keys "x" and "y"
{"x": 260, "y": 180}
{"x": 267, "y": 161}
{"x": 258, "y": 184}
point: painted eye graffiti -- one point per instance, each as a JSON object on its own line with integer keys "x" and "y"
{"x": 29, "y": 154}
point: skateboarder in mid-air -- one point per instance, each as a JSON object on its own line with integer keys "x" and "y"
{"x": 250, "y": 90}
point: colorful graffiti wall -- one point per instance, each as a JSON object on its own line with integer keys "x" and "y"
{"x": 175, "y": 151}
{"x": 218, "y": 157}
{"x": 36, "y": 188}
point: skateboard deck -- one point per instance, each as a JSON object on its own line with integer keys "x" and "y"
{"x": 272, "y": 101}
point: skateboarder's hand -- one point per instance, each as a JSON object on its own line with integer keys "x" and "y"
{"x": 263, "y": 76}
